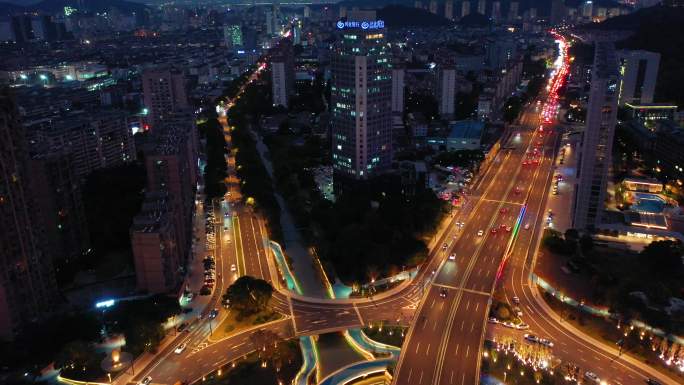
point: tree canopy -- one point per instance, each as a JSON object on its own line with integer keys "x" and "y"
{"x": 248, "y": 295}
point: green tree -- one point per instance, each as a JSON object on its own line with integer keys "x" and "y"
{"x": 248, "y": 295}
{"x": 586, "y": 243}
{"x": 663, "y": 257}
{"x": 78, "y": 358}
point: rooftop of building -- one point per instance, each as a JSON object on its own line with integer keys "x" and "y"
{"x": 471, "y": 129}
{"x": 605, "y": 61}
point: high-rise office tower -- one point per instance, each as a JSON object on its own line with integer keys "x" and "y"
{"x": 639, "y": 73}
{"x": 282, "y": 73}
{"x": 418, "y": 4}
{"x": 398, "y": 89}
{"x": 597, "y": 140}
{"x": 482, "y": 7}
{"x": 232, "y": 36}
{"x": 513, "y": 10}
{"x": 307, "y": 11}
{"x": 558, "y": 11}
{"x": 361, "y": 90}
{"x": 588, "y": 9}
{"x": 446, "y": 91}
{"x": 496, "y": 11}
{"x": 465, "y": 8}
{"x": 27, "y": 282}
{"x": 433, "y": 6}
{"x": 164, "y": 92}
{"x": 449, "y": 9}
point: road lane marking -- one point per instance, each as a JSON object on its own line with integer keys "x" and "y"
{"x": 417, "y": 347}
{"x": 358, "y": 313}
{"x": 409, "y": 376}
{"x": 467, "y": 350}
{"x": 427, "y": 351}
{"x": 456, "y": 353}
{"x": 420, "y": 381}
{"x": 451, "y": 378}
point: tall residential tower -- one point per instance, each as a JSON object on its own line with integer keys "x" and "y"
{"x": 597, "y": 140}
{"x": 27, "y": 282}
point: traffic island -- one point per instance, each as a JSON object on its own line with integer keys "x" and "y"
{"x": 521, "y": 364}
{"x": 233, "y": 324}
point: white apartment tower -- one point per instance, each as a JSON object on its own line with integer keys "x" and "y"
{"x": 639, "y": 73}
{"x": 446, "y": 91}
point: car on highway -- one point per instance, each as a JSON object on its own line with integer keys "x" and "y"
{"x": 522, "y": 326}
{"x": 180, "y": 348}
{"x": 508, "y": 229}
{"x": 445, "y": 246}
{"x": 652, "y": 381}
{"x": 545, "y": 342}
{"x": 493, "y": 320}
{"x": 527, "y": 226}
{"x": 503, "y": 210}
{"x": 232, "y": 267}
{"x": 515, "y": 300}
{"x": 452, "y": 257}
{"x": 213, "y": 313}
{"x": 480, "y": 233}
{"x": 591, "y": 376}
{"x": 443, "y": 292}
{"x": 493, "y": 231}
{"x": 181, "y": 327}
{"x": 531, "y": 338}
{"x": 146, "y": 381}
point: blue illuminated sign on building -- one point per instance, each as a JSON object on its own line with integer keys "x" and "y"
{"x": 375, "y": 24}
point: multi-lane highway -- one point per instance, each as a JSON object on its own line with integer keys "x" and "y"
{"x": 443, "y": 345}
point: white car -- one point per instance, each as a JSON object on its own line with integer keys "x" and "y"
{"x": 232, "y": 267}
{"x": 146, "y": 381}
{"x": 527, "y": 226}
{"x": 591, "y": 376}
{"x": 452, "y": 257}
{"x": 180, "y": 348}
{"x": 480, "y": 233}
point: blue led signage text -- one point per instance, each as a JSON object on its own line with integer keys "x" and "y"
{"x": 375, "y": 24}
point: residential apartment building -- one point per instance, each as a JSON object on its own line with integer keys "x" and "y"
{"x": 639, "y": 73}
{"x": 27, "y": 281}
{"x": 597, "y": 139}
{"x": 163, "y": 92}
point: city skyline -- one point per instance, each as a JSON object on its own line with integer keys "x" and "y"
{"x": 438, "y": 192}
